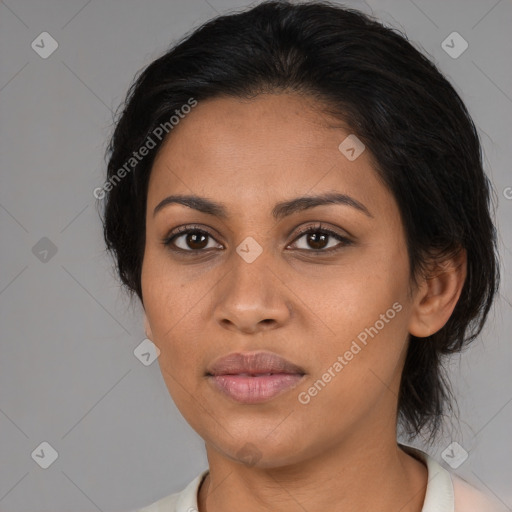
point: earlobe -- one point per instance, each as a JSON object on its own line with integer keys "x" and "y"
{"x": 437, "y": 295}
{"x": 147, "y": 328}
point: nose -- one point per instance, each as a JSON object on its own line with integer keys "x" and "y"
{"x": 252, "y": 297}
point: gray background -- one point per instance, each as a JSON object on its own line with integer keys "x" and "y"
{"x": 68, "y": 374}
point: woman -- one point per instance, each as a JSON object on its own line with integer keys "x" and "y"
{"x": 296, "y": 196}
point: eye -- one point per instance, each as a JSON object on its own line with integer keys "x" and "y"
{"x": 317, "y": 238}
{"x": 189, "y": 239}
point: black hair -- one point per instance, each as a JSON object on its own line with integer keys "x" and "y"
{"x": 416, "y": 127}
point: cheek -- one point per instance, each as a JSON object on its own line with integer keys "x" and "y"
{"x": 355, "y": 378}
{"x": 169, "y": 306}
{"x": 356, "y": 298}
{"x": 366, "y": 312}
{"x": 177, "y": 338}
{"x": 166, "y": 298}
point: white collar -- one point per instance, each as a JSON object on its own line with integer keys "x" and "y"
{"x": 439, "y": 496}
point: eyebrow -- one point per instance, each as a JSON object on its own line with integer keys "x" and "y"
{"x": 280, "y": 210}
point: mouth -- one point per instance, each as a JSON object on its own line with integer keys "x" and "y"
{"x": 254, "y": 377}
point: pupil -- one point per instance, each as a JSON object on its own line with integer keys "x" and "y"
{"x": 193, "y": 239}
{"x": 314, "y": 243}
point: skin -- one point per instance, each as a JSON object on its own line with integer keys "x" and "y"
{"x": 339, "y": 450}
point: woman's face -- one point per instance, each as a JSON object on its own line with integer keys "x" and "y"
{"x": 337, "y": 311}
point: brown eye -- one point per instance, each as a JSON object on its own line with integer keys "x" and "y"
{"x": 187, "y": 239}
{"x": 317, "y": 239}
{"x": 195, "y": 240}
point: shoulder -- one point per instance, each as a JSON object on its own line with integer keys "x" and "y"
{"x": 185, "y": 500}
{"x": 469, "y": 499}
{"x": 448, "y": 492}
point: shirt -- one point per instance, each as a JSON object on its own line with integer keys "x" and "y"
{"x": 446, "y": 492}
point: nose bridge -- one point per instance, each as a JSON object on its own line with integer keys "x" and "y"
{"x": 251, "y": 294}
{"x": 250, "y": 279}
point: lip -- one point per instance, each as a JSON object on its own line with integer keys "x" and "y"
{"x": 254, "y": 377}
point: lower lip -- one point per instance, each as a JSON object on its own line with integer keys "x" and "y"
{"x": 253, "y": 390}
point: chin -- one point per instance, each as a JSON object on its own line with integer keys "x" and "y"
{"x": 260, "y": 452}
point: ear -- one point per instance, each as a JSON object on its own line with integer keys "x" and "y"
{"x": 437, "y": 295}
{"x": 147, "y": 328}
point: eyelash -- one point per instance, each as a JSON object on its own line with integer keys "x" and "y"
{"x": 168, "y": 241}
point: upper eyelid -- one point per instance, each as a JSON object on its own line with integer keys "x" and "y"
{"x": 320, "y": 226}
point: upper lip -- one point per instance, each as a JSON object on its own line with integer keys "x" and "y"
{"x": 253, "y": 363}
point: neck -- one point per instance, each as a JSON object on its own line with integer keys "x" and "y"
{"x": 356, "y": 475}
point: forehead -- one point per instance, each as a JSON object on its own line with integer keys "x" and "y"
{"x": 275, "y": 146}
